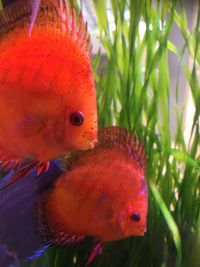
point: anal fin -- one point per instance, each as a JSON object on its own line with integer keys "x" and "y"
{"x": 24, "y": 169}
{"x": 43, "y": 167}
{"x": 64, "y": 239}
{"x": 8, "y": 162}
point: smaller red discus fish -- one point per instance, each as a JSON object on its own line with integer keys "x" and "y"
{"x": 103, "y": 195}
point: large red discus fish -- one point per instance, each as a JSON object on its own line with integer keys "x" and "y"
{"x": 47, "y": 90}
{"x": 103, "y": 194}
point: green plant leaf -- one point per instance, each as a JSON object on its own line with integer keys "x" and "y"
{"x": 169, "y": 220}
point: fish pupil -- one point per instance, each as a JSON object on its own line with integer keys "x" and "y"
{"x": 77, "y": 118}
{"x": 135, "y": 216}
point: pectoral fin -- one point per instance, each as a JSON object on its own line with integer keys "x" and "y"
{"x": 31, "y": 124}
{"x": 97, "y": 250}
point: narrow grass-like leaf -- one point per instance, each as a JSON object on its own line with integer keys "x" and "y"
{"x": 169, "y": 220}
{"x": 100, "y": 8}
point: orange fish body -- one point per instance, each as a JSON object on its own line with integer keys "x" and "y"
{"x": 47, "y": 91}
{"x": 103, "y": 194}
{"x": 106, "y": 213}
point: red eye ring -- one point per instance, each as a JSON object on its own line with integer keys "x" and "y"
{"x": 77, "y": 118}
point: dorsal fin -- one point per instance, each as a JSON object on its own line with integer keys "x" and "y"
{"x": 16, "y": 15}
{"x": 115, "y": 136}
{"x": 35, "y": 4}
{"x": 19, "y": 18}
{"x": 108, "y": 138}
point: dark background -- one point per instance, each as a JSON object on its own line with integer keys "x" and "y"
{"x": 7, "y": 2}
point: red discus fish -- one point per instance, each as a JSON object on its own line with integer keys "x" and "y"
{"x": 47, "y": 90}
{"x": 103, "y": 194}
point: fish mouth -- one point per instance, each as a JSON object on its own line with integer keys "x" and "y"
{"x": 93, "y": 144}
{"x": 141, "y": 230}
{"x": 90, "y": 145}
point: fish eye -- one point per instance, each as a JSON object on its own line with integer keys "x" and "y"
{"x": 135, "y": 216}
{"x": 77, "y": 118}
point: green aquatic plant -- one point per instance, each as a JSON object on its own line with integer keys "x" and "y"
{"x": 134, "y": 90}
